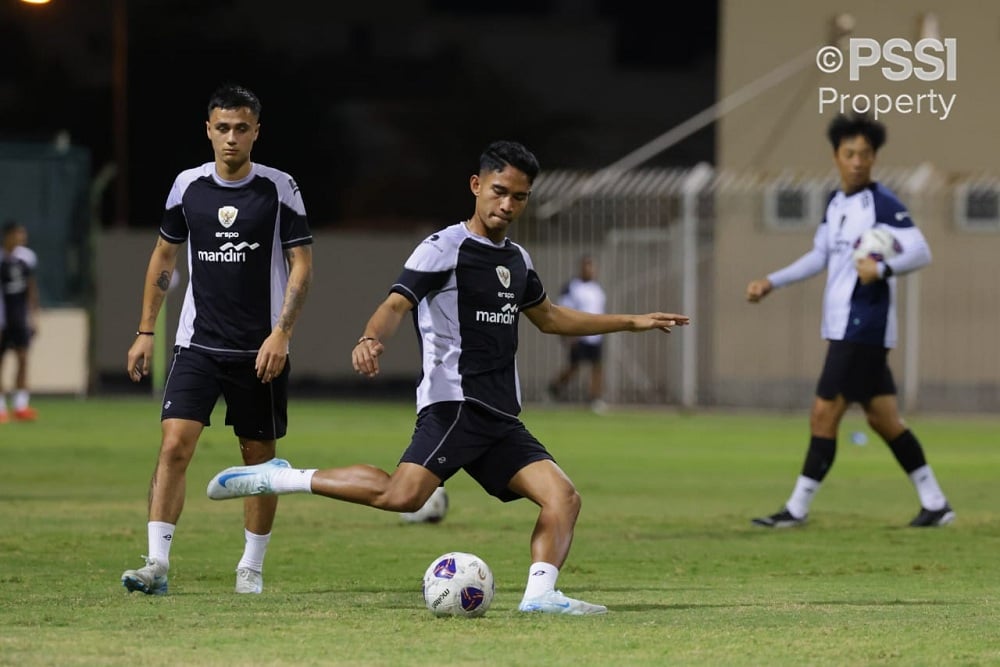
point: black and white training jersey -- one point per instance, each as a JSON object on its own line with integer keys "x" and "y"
{"x": 16, "y": 270}
{"x": 467, "y": 293}
{"x": 851, "y": 311}
{"x": 237, "y": 232}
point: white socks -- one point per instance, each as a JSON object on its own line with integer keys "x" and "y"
{"x": 160, "y": 536}
{"x": 931, "y": 495}
{"x": 292, "y": 480}
{"x": 802, "y": 496}
{"x": 253, "y": 552}
{"x": 541, "y": 579}
{"x": 21, "y": 397}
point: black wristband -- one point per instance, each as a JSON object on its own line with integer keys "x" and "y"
{"x": 886, "y": 271}
{"x": 144, "y": 333}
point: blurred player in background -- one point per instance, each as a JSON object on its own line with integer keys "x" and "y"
{"x": 859, "y": 321}
{"x": 250, "y": 265}
{"x": 584, "y": 293}
{"x": 468, "y": 284}
{"x": 18, "y": 316}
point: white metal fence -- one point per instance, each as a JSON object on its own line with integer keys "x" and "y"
{"x": 689, "y": 241}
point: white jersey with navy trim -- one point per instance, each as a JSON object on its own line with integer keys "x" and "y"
{"x": 467, "y": 293}
{"x": 587, "y": 296}
{"x": 851, "y": 311}
{"x": 237, "y": 232}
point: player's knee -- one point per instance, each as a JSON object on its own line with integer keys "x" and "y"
{"x": 175, "y": 450}
{"x": 394, "y": 500}
{"x": 566, "y": 501}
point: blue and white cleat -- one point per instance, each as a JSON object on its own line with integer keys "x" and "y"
{"x": 554, "y": 602}
{"x": 150, "y": 579}
{"x": 242, "y": 481}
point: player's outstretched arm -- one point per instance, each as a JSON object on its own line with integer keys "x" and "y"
{"x": 381, "y": 326}
{"x": 563, "y": 321}
{"x": 161, "y": 267}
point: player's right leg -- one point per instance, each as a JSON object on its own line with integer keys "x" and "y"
{"x": 188, "y": 399}
{"x": 166, "y": 501}
{"x": 834, "y": 390}
{"x": 439, "y": 428}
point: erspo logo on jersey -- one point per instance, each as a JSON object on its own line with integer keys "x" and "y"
{"x": 228, "y": 252}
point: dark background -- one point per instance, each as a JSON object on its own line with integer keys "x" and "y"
{"x": 378, "y": 110}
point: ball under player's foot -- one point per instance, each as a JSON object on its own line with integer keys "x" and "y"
{"x": 242, "y": 481}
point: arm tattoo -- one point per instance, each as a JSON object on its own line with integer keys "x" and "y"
{"x": 295, "y": 293}
{"x": 163, "y": 281}
{"x": 294, "y": 300}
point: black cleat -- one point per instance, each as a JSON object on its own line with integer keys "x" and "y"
{"x": 929, "y": 518}
{"x": 782, "y": 519}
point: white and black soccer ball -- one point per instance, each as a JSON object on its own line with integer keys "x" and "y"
{"x": 877, "y": 243}
{"x": 433, "y": 511}
{"x": 458, "y": 584}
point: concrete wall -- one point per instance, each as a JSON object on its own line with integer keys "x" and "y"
{"x": 352, "y": 275}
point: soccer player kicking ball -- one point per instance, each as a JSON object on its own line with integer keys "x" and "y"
{"x": 468, "y": 284}
{"x": 859, "y": 321}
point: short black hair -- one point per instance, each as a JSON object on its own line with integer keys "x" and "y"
{"x": 844, "y": 127}
{"x": 9, "y": 227}
{"x": 499, "y": 154}
{"x": 233, "y": 96}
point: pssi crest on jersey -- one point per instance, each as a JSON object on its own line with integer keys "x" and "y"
{"x": 467, "y": 294}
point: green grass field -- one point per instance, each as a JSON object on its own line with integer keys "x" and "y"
{"x": 664, "y": 541}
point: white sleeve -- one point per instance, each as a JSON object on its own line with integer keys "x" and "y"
{"x": 916, "y": 254}
{"x": 806, "y": 266}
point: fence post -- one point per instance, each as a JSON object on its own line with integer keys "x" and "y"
{"x": 696, "y": 181}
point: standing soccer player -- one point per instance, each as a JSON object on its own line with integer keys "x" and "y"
{"x": 250, "y": 265}
{"x": 583, "y": 292}
{"x": 859, "y": 321}
{"x": 468, "y": 284}
{"x": 18, "y": 315}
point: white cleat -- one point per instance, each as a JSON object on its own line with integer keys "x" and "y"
{"x": 554, "y": 602}
{"x": 249, "y": 581}
{"x": 150, "y": 579}
{"x": 242, "y": 481}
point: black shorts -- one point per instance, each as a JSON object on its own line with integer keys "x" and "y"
{"x": 15, "y": 337}
{"x": 456, "y": 435}
{"x": 581, "y": 351}
{"x": 255, "y": 410}
{"x": 857, "y": 372}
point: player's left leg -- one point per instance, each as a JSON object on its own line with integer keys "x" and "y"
{"x": 258, "y": 519}
{"x": 544, "y": 483}
{"x": 22, "y": 397}
{"x": 4, "y": 415}
{"x": 883, "y": 416}
{"x": 258, "y": 413}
